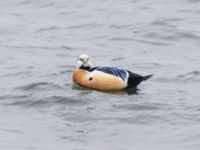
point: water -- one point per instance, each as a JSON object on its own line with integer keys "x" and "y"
{"x": 40, "y": 109}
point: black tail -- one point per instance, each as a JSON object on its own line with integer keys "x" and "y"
{"x": 147, "y": 77}
{"x": 135, "y": 79}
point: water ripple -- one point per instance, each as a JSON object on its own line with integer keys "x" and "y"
{"x": 191, "y": 76}
{"x": 39, "y": 86}
{"x": 40, "y": 42}
{"x": 51, "y": 101}
{"x": 142, "y": 107}
{"x": 46, "y": 29}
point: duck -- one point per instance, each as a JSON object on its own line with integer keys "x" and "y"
{"x": 104, "y": 78}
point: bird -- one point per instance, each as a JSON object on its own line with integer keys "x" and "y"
{"x": 104, "y": 78}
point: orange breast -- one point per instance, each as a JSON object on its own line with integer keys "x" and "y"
{"x": 98, "y": 80}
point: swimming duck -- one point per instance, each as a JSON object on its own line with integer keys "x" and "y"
{"x": 104, "y": 78}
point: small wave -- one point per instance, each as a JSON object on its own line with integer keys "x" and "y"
{"x": 48, "y": 29}
{"x": 172, "y": 35}
{"x": 193, "y": 1}
{"x": 117, "y": 58}
{"x": 10, "y": 130}
{"x": 186, "y": 35}
{"x": 7, "y": 97}
{"x": 38, "y": 86}
{"x": 50, "y": 4}
{"x": 25, "y": 2}
{"x": 66, "y": 47}
{"x": 190, "y": 11}
{"x": 121, "y": 26}
{"x": 66, "y": 100}
{"x": 148, "y": 65}
{"x": 121, "y": 39}
{"x": 61, "y": 47}
{"x": 66, "y": 71}
{"x": 84, "y": 26}
{"x": 193, "y": 75}
{"x": 17, "y": 74}
{"x": 30, "y": 102}
{"x": 142, "y": 107}
{"x": 159, "y": 43}
{"x": 143, "y": 119}
{"x": 166, "y": 22}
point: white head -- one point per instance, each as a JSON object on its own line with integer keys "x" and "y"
{"x": 83, "y": 61}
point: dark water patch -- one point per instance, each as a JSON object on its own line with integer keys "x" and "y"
{"x": 67, "y": 66}
{"x": 87, "y": 117}
{"x": 88, "y": 26}
{"x": 24, "y": 102}
{"x": 190, "y": 76}
{"x": 103, "y": 37}
{"x": 166, "y": 22}
{"x": 187, "y": 117}
{"x": 134, "y": 1}
{"x": 65, "y": 47}
{"x": 196, "y": 108}
{"x": 10, "y": 130}
{"x": 48, "y": 29}
{"x": 178, "y": 79}
{"x": 157, "y": 43}
{"x": 193, "y": 1}
{"x": 162, "y": 24}
{"x": 39, "y": 86}
{"x": 67, "y": 13}
{"x": 81, "y": 88}
{"x": 13, "y": 46}
{"x": 13, "y": 97}
{"x": 142, "y": 107}
{"x": 118, "y": 58}
{"x": 25, "y": 46}
{"x": 121, "y": 26}
{"x": 159, "y": 36}
{"x": 32, "y": 48}
{"x": 67, "y": 71}
{"x": 47, "y": 5}
{"x": 52, "y": 101}
{"x": 190, "y": 11}
{"x": 143, "y": 119}
{"x": 149, "y": 65}
{"x": 67, "y": 100}
{"x": 25, "y": 2}
{"x": 130, "y": 91}
{"x": 186, "y": 35}
{"x": 172, "y": 35}
{"x": 194, "y": 73}
{"x": 123, "y": 39}
{"x": 163, "y": 79}
{"x": 5, "y": 97}
{"x": 16, "y": 14}
{"x": 192, "y": 108}
{"x": 22, "y": 73}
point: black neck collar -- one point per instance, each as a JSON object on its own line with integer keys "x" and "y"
{"x": 85, "y": 68}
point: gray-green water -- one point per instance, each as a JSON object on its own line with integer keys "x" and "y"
{"x": 40, "y": 109}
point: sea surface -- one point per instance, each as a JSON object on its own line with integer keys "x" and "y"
{"x": 41, "y": 108}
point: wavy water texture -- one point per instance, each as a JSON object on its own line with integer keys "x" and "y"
{"x": 42, "y": 109}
